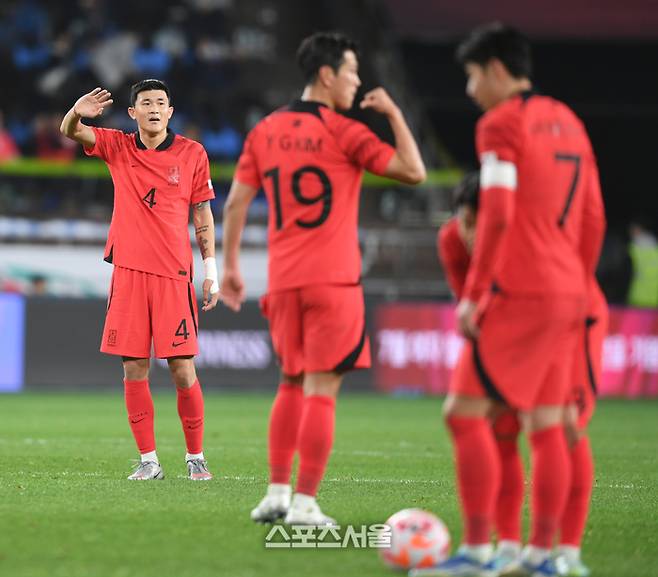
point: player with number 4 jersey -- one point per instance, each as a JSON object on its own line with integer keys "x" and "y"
{"x": 309, "y": 159}
{"x": 157, "y": 176}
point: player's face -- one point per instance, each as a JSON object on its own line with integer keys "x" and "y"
{"x": 346, "y": 82}
{"x": 151, "y": 111}
{"x": 481, "y": 85}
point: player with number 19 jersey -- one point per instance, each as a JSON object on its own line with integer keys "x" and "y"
{"x": 310, "y": 160}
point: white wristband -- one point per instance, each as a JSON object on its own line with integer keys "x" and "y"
{"x": 210, "y": 268}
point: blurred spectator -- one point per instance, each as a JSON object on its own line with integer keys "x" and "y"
{"x": 643, "y": 249}
{"x": 50, "y": 143}
{"x": 8, "y": 148}
{"x": 38, "y": 286}
{"x": 224, "y": 143}
{"x": 151, "y": 60}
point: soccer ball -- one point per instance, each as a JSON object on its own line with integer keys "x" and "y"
{"x": 418, "y": 539}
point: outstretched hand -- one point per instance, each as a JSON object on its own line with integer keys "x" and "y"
{"x": 92, "y": 104}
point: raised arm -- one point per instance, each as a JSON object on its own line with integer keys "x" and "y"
{"x": 406, "y": 165}
{"x": 235, "y": 216}
{"x": 90, "y": 105}
{"x": 204, "y": 228}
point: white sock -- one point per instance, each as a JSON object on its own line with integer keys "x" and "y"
{"x": 150, "y": 456}
{"x": 481, "y": 553}
{"x": 278, "y": 489}
{"x": 304, "y": 501}
{"x": 570, "y": 552}
{"x": 507, "y": 545}
{"x": 192, "y": 456}
{"x": 535, "y": 555}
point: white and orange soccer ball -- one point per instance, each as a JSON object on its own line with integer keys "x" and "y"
{"x": 418, "y": 539}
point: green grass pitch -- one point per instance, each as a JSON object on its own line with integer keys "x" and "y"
{"x": 66, "y": 509}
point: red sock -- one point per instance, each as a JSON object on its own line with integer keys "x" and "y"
{"x": 314, "y": 441}
{"x": 510, "y": 497}
{"x": 478, "y": 475}
{"x": 582, "y": 478}
{"x": 190, "y": 411}
{"x": 284, "y": 424}
{"x": 140, "y": 413}
{"x": 551, "y": 478}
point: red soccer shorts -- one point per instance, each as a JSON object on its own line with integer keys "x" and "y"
{"x": 523, "y": 355}
{"x": 144, "y": 307}
{"x": 318, "y": 328}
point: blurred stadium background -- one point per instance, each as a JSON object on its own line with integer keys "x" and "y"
{"x": 228, "y": 63}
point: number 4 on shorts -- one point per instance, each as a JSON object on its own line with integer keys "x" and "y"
{"x": 181, "y": 331}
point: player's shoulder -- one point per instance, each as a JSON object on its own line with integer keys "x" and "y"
{"x": 449, "y": 229}
{"x": 507, "y": 113}
{"x": 449, "y": 236}
{"x": 193, "y": 147}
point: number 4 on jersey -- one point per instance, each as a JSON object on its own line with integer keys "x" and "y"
{"x": 150, "y": 198}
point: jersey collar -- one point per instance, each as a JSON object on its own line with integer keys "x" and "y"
{"x": 166, "y": 143}
{"x": 310, "y": 106}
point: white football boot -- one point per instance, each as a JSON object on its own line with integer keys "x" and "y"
{"x": 274, "y": 505}
{"x": 304, "y": 510}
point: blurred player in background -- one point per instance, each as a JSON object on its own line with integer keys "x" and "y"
{"x": 539, "y": 231}
{"x": 157, "y": 175}
{"x": 455, "y": 245}
{"x": 310, "y": 160}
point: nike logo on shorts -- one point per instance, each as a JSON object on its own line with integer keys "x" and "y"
{"x": 177, "y": 344}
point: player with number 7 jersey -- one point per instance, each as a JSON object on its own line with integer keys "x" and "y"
{"x": 309, "y": 159}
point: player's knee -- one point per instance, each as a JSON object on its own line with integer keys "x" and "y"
{"x": 135, "y": 369}
{"x": 461, "y": 406}
{"x": 322, "y": 384}
{"x": 182, "y": 372}
{"x": 542, "y": 418}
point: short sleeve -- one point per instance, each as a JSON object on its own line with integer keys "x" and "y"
{"x": 201, "y": 183}
{"x": 108, "y": 142}
{"x": 246, "y": 171}
{"x": 362, "y": 146}
{"x": 499, "y": 132}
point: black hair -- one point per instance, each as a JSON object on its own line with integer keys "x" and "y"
{"x": 467, "y": 192}
{"x": 496, "y": 40}
{"x": 323, "y": 49}
{"x": 148, "y": 84}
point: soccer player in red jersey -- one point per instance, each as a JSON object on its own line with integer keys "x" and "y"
{"x": 456, "y": 239}
{"x": 524, "y": 300}
{"x": 455, "y": 243}
{"x": 157, "y": 175}
{"x": 310, "y": 160}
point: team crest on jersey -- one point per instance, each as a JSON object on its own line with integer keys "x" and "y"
{"x": 173, "y": 175}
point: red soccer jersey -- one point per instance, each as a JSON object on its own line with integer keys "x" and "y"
{"x": 539, "y": 200}
{"x": 310, "y": 161}
{"x": 454, "y": 256}
{"x": 153, "y": 190}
